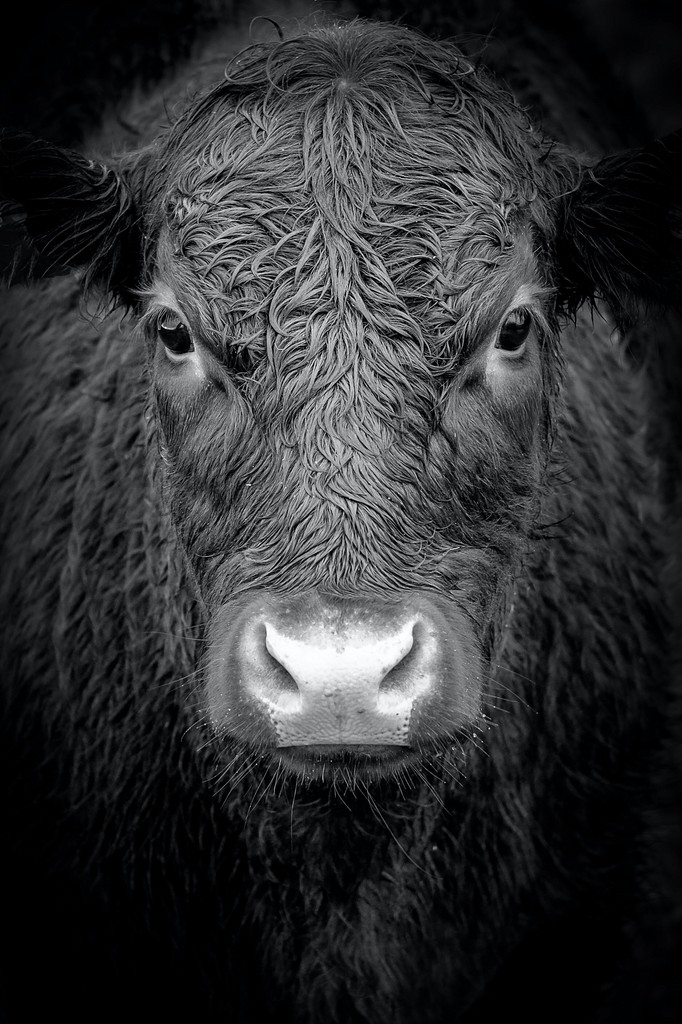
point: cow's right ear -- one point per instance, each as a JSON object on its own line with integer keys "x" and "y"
{"x": 620, "y": 232}
{"x": 60, "y": 211}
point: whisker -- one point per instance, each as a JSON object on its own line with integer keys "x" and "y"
{"x": 376, "y": 811}
{"x": 172, "y": 636}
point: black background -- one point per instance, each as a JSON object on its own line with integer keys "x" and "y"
{"x": 63, "y": 64}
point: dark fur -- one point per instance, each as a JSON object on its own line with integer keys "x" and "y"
{"x": 339, "y": 445}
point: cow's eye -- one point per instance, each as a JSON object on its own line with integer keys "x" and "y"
{"x": 174, "y": 335}
{"x": 514, "y": 332}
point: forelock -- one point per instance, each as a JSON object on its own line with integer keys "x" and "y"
{"x": 409, "y": 94}
{"x": 362, "y": 172}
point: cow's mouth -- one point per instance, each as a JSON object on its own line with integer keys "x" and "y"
{"x": 356, "y": 763}
{"x": 342, "y": 769}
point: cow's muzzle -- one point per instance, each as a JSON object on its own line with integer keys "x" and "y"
{"x": 343, "y": 674}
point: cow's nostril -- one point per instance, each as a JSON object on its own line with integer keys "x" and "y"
{"x": 403, "y": 654}
{"x": 399, "y": 676}
{"x": 285, "y": 682}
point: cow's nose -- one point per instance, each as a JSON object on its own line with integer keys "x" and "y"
{"x": 356, "y": 688}
{"x": 308, "y": 671}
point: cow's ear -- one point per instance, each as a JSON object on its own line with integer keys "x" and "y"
{"x": 620, "y": 231}
{"x": 60, "y": 211}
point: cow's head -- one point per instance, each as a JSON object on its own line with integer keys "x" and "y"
{"x": 349, "y": 261}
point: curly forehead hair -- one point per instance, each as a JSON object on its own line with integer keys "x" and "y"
{"x": 370, "y": 174}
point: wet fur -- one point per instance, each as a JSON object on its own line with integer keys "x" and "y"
{"x": 209, "y": 869}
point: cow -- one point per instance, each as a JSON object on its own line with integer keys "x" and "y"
{"x": 333, "y": 522}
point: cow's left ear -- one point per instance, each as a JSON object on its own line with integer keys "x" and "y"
{"x": 620, "y": 231}
{"x": 60, "y": 211}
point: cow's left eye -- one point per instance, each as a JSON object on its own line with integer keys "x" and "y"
{"x": 514, "y": 332}
{"x": 175, "y": 336}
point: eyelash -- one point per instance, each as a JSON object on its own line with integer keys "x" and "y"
{"x": 178, "y": 344}
{"x": 175, "y": 338}
{"x": 512, "y": 336}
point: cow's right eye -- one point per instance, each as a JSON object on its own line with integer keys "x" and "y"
{"x": 175, "y": 337}
{"x": 514, "y": 332}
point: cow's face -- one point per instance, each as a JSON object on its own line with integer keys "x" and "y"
{"x": 351, "y": 352}
{"x": 351, "y": 256}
